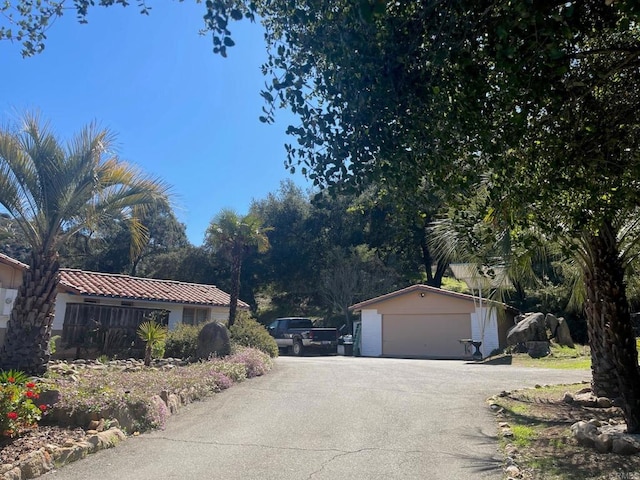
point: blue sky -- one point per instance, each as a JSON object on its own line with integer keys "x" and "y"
{"x": 180, "y": 112}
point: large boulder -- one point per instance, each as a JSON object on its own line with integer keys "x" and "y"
{"x": 530, "y": 329}
{"x": 213, "y": 341}
{"x": 559, "y": 330}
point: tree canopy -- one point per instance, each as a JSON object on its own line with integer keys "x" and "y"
{"x": 53, "y": 191}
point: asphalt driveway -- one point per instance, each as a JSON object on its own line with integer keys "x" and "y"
{"x": 331, "y": 418}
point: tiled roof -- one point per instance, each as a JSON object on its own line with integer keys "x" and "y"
{"x": 109, "y": 285}
{"x": 7, "y": 260}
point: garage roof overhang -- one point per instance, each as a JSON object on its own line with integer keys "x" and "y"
{"x": 423, "y": 289}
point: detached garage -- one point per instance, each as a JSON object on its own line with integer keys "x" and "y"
{"x": 426, "y": 322}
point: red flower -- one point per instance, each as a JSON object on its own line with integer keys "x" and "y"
{"x": 11, "y": 380}
{"x": 43, "y": 407}
{"x": 29, "y": 394}
{"x": 12, "y": 415}
{"x": 30, "y": 385}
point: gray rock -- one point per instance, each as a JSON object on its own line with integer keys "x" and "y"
{"x": 626, "y": 445}
{"x": 512, "y": 470}
{"x": 603, "y": 443}
{"x": 173, "y": 403}
{"x": 586, "y": 399}
{"x": 511, "y": 449}
{"x": 213, "y": 340}
{"x": 585, "y": 433}
{"x": 530, "y": 329}
{"x": 538, "y": 349}
{"x": 604, "y": 402}
{"x": 562, "y": 334}
{"x": 49, "y": 397}
{"x": 606, "y": 437}
{"x": 38, "y": 463}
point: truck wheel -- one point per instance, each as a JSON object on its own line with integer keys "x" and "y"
{"x": 297, "y": 348}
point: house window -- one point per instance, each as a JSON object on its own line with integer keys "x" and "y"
{"x": 195, "y": 316}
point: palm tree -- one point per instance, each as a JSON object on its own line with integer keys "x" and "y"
{"x": 153, "y": 334}
{"x": 603, "y": 259}
{"x": 235, "y": 236}
{"x": 53, "y": 191}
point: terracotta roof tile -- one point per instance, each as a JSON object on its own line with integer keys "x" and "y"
{"x": 6, "y": 259}
{"x": 135, "y": 288}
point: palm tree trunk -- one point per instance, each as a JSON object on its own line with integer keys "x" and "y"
{"x": 26, "y": 344}
{"x": 147, "y": 354}
{"x": 236, "y": 268}
{"x": 613, "y": 348}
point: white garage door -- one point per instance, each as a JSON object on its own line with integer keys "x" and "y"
{"x": 435, "y": 336}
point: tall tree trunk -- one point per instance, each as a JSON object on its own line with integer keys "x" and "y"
{"x": 236, "y": 268}
{"x": 613, "y": 348}
{"x": 441, "y": 268}
{"x": 26, "y": 344}
{"x": 427, "y": 262}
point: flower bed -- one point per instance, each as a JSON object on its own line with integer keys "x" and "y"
{"x": 128, "y": 390}
{"x": 98, "y": 397}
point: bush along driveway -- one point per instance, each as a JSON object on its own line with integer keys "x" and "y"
{"x": 112, "y": 400}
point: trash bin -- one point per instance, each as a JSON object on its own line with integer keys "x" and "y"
{"x": 345, "y": 345}
{"x": 348, "y": 349}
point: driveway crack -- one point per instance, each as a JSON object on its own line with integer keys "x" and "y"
{"x": 353, "y": 452}
{"x": 243, "y": 444}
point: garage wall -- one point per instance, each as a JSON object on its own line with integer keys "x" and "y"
{"x": 425, "y": 335}
{"x": 416, "y": 303}
{"x": 484, "y": 327}
{"x": 425, "y": 322}
{"x": 371, "y": 333}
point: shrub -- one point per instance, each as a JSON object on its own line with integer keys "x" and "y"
{"x": 154, "y": 335}
{"x": 53, "y": 344}
{"x": 183, "y": 341}
{"x": 249, "y": 333}
{"x": 19, "y": 406}
{"x": 256, "y": 362}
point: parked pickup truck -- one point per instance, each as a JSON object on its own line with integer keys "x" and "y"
{"x": 298, "y": 334}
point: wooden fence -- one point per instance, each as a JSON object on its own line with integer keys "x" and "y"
{"x": 108, "y": 328}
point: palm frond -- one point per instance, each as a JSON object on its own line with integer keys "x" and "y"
{"x": 54, "y": 191}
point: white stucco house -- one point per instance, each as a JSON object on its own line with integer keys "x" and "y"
{"x": 115, "y": 304}
{"x": 11, "y": 271}
{"x": 426, "y": 322}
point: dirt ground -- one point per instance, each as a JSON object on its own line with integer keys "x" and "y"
{"x": 14, "y": 449}
{"x": 546, "y": 450}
